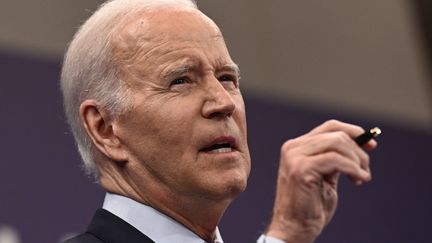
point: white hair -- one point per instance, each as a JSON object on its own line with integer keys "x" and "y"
{"x": 90, "y": 71}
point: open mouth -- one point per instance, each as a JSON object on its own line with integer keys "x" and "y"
{"x": 218, "y": 148}
{"x": 221, "y": 145}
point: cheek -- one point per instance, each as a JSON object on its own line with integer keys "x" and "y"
{"x": 176, "y": 124}
{"x": 241, "y": 114}
{"x": 164, "y": 130}
{"x": 162, "y": 145}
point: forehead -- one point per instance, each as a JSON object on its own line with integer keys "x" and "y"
{"x": 176, "y": 22}
{"x": 169, "y": 25}
{"x": 168, "y": 35}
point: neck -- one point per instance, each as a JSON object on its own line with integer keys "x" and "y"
{"x": 199, "y": 214}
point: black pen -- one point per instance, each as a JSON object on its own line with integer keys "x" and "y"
{"x": 367, "y": 136}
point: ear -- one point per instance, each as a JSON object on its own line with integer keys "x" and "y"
{"x": 99, "y": 128}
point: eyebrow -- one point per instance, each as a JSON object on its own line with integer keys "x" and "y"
{"x": 178, "y": 71}
{"x": 231, "y": 68}
{"x": 184, "y": 69}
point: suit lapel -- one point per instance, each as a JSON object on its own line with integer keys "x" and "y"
{"x": 110, "y": 228}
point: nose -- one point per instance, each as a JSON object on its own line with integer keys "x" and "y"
{"x": 219, "y": 103}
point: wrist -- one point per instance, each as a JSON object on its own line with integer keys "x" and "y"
{"x": 291, "y": 233}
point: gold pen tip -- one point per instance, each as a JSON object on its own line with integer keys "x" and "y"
{"x": 375, "y": 131}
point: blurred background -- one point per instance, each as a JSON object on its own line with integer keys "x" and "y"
{"x": 303, "y": 62}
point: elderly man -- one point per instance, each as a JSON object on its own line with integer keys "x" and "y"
{"x": 152, "y": 97}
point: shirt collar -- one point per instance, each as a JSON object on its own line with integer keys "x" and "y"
{"x": 154, "y": 224}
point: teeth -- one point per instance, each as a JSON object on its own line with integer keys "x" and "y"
{"x": 221, "y": 150}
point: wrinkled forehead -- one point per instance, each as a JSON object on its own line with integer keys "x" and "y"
{"x": 166, "y": 35}
{"x": 167, "y": 24}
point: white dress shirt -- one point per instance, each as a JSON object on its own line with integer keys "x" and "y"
{"x": 269, "y": 239}
{"x": 157, "y": 226}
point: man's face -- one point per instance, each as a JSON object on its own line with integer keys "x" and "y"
{"x": 187, "y": 128}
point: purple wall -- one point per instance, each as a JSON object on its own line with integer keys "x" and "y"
{"x": 44, "y": 194}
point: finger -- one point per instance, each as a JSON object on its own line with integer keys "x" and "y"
{"x": 338, "y": 142}
{"x": 372, "y": 144}
{"x": 335, "y": 125}
{"x": 329, "y": 163}
{"x": 352, "y": 130}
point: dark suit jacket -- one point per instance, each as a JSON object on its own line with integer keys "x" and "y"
{"x": 108, "y": 228}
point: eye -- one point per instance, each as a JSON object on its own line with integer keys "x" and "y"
{"x": 179, "y": 81}
{"x": 229, "y": 78}
{"x": 224, "y": 78}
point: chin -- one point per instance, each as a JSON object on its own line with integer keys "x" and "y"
{"x": 238, "y": 188}
{"x": 228, "y": 187}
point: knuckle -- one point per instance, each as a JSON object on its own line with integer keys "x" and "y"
{"x": 333, "y": 156}
{"x": 360, "y": 130}
{"x": 298, "y": 171}
{"x": 365, "y": 159}
{"x": 287, "y": 146}
{"x": 290, "y": 158}
{"x": 336, "y": 156}
{"x": 341, "y": 137}
{"x": 332, "y": 123}
{"x": 363, "y": 156}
